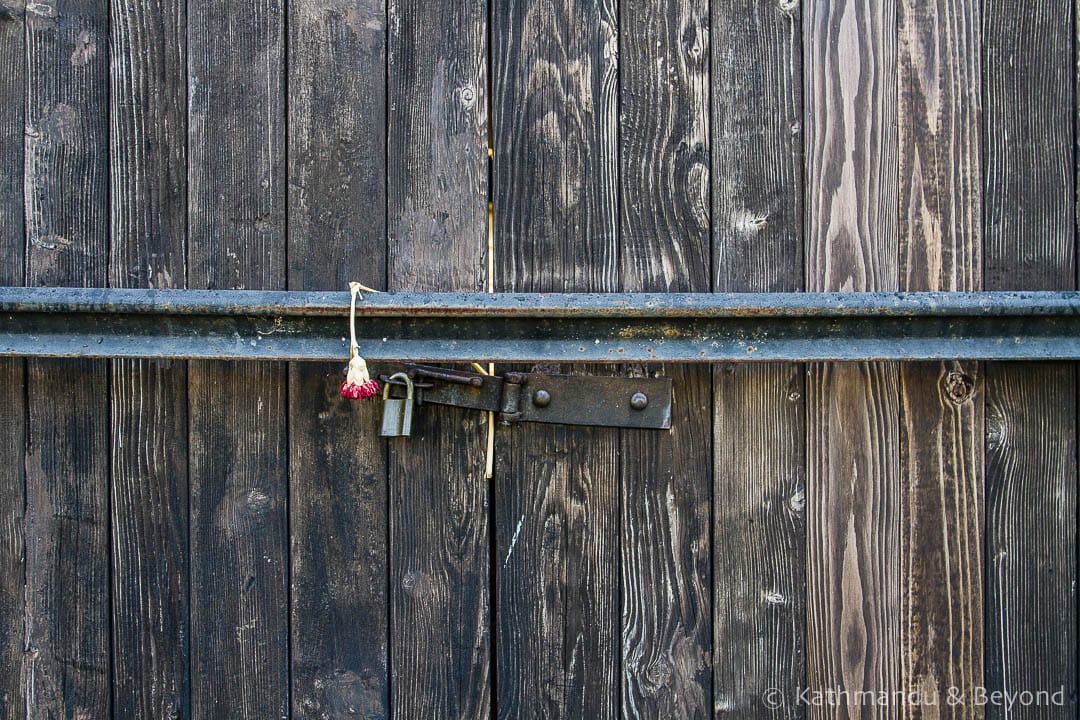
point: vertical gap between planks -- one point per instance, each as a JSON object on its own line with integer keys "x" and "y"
{"x": 493, "y": 550}
{"x": 108, "y": 370}
{"x": 287, "y": 379}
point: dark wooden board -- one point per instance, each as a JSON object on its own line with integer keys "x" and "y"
{"x": 66, "y": 664}
{"x": 338, "y": 522}
{"x": 12, "y": 139}
{"x": 239, "y": 550}
{"x": 555, "y": 115}
{"x": 759, "y": 541}
{"x": 440, "y": 596}
{"x": 665, "y": 547}
{"x": 1028, "y": 164}
{"x": 12, "y": 546}
{"x": 1031, "y": 415}
{"x": 557, "y": 555}
{"x": 759, "y": 486}
{"x": 1031, "y": 566}
{"x": 337, "y": 144}
{"x": 12, "y": 371}
{"x": 853, "y": 444}
{"x": 237, "y": 413}
{"x": 555, "y": 194}
{"x": 941, "y": 404}
{"x": 149, "y": 507}
{"x": 149, "y": 462}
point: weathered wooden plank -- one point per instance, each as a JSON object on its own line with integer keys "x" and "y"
{"x": 66, "y": 668}
{"x": 666, "y": 492}
{"x": 150, "y": 539}
{"x": 941, "y": 466}
{"x": 759, "y": 541}
{"x": 557, "y": 573}
{"x": 940, "y": 145}
{"x": 1031, "y": 415}
{"x": 555, "y": 115}
{"x": 337, "y": 144}
{"x": 12, "y": 533}
{"x": 237, "y": 442}
{"x": 239, "y": 594}
{"x": 1028, "y": 173}
{"x": 757, "y": 132}
{"x": 337, "y": 463}
{"x": 12, "y": 371}
{"x": 1031, "y": 571}
{"x": 67, "y": 134}
{"x": 941, "y": 404}
{"x": 853, "y": 495}
{"x": 149, "y": 463}
{"x": 759, "y": 487}
{"x": 440, "y": 652}
{"x": 66, "y": 655}
{"x": 12, "y": 128}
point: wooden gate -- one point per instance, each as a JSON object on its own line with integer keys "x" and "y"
{"x": 215, "y": 539}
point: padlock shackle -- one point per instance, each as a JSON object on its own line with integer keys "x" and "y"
{"x": 409, "y": 392}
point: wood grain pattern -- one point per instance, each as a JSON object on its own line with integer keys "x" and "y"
{"x": 757, "y": 136}
{"x": 12, "y": 129}
{"x": 1028, "y": 172}
{"x": 853, "y": 528}
{"x": 239, "y": 550}
{"x": 66, "y": 668}
{"x": 555, "y": 173}
{"x": 759, "y": 541}
{"x": 665, "y": 499}
{"x": 238, "y": 453}
{"x": 759, "y": 486}
{"x": 337, "y": 144}
{"x": 437, "y": 181}
{"x": 67, "y": 142}
{"x": 940, "y": 145}
{"x": 557, "y": 557}
{"x": 555, "y": 197}
{"x": 12, "y": 534}
{"x": 337, "y": 465}
{"x": 236, "y": 145}
{"x": 149, "y": 461}
{"x": 149, "y": 506}
{"x": 1031, "y": 416}
{"x": 441, "y": 664}
{"x": 1031, "y": 567}
{"x": 12, "y": 370}
{"x": 941, "y": 423}
{"x": 853, "y": 502}
{"x": 941, "y": 466}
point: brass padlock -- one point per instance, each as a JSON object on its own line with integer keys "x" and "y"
{"x": 397, "y": 412}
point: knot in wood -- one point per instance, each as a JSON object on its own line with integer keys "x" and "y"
{"x": 959, "y": 386}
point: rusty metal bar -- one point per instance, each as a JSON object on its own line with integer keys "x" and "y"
{"x": 514, "y": 327}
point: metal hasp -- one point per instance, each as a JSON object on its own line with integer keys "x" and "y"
{"x": 626, "y": 402}
{"x": 606, "y": 328}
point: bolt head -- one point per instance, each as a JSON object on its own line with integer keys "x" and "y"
{"x": 541, "y": 398}
{"x": 639, "y": 401}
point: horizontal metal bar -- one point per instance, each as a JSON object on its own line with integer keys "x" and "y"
{"x": 517, "y": 327}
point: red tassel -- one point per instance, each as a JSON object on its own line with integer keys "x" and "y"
{"x": 361, "y": 391}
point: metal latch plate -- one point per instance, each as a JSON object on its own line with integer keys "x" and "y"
{"x": 592, "y": 400}
{"x": 629, "y": 402}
